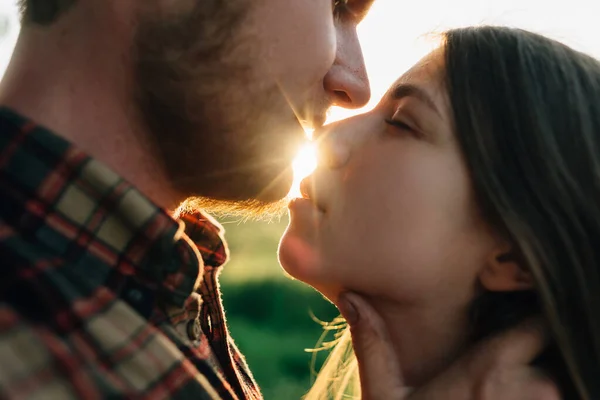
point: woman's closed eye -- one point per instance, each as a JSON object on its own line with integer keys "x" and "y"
{"x": 398, "y": 124}
{"x": 402, "y": 126}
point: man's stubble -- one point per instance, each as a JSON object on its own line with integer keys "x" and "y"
{"x": 212, "y": 117}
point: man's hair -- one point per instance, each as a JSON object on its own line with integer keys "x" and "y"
{"x": 43, "y": 12}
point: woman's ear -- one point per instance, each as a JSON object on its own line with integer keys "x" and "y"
{"x": 503, "y": 272}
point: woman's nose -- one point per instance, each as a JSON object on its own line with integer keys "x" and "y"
{"x": 333, "y": 154}
{"x": 333, "y": 151}
{"x": 338, "y": 141}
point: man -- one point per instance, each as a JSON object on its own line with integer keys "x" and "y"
{"x": 103, "y": 293}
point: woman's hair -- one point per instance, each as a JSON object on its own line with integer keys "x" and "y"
{"x": 526, "y": 111}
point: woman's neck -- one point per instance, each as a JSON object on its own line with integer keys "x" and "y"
{"x": 426, "y": 339}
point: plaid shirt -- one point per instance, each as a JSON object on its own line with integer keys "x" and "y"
{"x": 103, "y": 294}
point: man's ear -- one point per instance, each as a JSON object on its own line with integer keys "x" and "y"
{"x": 504, "y": 272}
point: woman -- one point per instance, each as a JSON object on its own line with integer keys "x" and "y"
{"x": 470, "y": 201}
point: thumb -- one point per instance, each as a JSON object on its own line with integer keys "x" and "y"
{"x": 380, "y": 375}
{"x": 516, "y": 346}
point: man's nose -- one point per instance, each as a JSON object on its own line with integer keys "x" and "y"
{"x": 347, "y": 81}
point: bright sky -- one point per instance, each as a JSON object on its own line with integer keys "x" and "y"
{"x": 395, "y": 34}
{"x": 9, "y": 22}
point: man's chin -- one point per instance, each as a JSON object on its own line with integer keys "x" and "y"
{"x": 259, "y": 196}
{"x": 253, "y": 209}
{"x": 274, "y": 185}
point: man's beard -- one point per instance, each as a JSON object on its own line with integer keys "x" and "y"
{"x": 252, "y": 210}
{"x": 206, "y": 112}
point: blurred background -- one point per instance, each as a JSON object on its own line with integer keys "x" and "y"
{"x": 273, "y": 317}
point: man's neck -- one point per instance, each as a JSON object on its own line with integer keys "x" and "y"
{"x": 81, "y": 87}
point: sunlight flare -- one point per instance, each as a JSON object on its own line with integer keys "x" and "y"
{"x": 304, "y": 164}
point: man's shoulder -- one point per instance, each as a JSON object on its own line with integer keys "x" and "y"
{"x": 37, "y": 281}
{"x": 15, "y": 131}
{"x": 64, "y": 334}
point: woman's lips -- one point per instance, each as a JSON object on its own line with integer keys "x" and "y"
{"x": 307, "y": 192}
{"x": 304, "y": 206}
{"x": 305, "y": 187}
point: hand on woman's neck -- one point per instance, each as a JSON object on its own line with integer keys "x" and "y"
{"x": 426, "y": 339}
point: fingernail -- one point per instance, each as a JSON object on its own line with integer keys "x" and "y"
{"x": 348, "y": 309}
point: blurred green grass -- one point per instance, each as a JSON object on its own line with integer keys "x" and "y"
{"x": 253, "y": 250}
{"x": 270, "y": 314}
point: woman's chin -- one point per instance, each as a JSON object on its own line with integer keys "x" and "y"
{"x": 303, "y": 262}
{"x": 298, "y": 257}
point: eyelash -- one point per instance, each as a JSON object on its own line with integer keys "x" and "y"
{"x": 398, "y": 124}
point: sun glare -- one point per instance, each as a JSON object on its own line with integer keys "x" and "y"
{"x": 304, "y": 164}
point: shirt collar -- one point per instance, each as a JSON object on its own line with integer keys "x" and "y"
{"x": 66, "y": 200}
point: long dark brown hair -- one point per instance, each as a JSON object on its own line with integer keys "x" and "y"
{"x": 527, "y": 116}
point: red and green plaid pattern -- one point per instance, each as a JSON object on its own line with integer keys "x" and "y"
{"x": 103, "y": 294}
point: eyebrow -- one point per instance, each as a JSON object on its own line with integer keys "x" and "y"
{"x": 403, "y": 90}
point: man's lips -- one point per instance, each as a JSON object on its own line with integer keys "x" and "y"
{"x": 312, "y": 119}
{"x": 319, "y": 121}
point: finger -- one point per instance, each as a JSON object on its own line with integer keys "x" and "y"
{"x": 507, "y": 383}
{"x": 380, "y": 374}
{"x": 543, "y": 388}
{"x": 517, "y": 383}
{"x": 533, "y": 384}
{"x": 496, "y": 368}
{"x": 518, "y": 345}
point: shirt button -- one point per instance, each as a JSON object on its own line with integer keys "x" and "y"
{"x": 135, "y": 295}
{"x": 193, "y": 330}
